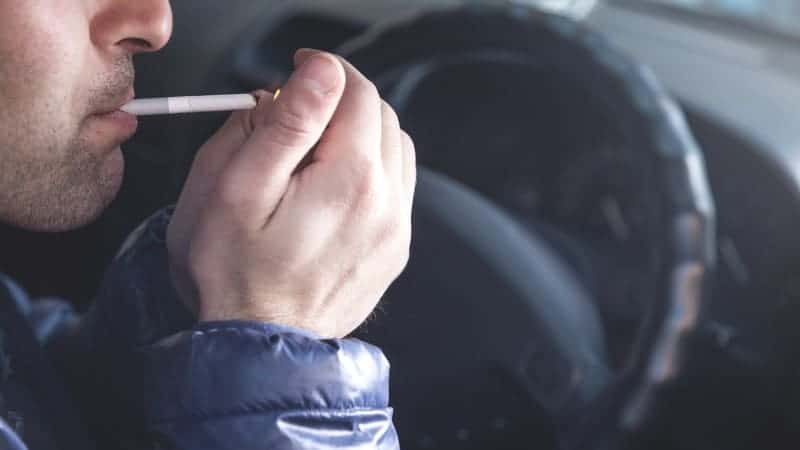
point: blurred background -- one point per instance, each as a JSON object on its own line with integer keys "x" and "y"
{"x": 555, "y": 152}
{"x": 783, "y": 15}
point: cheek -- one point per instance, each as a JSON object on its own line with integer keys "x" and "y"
{"x": 40, "y": 63}
{"x": 40, "y": 53}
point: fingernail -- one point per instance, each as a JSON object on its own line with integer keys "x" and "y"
{"x": 301, "y": 55}
{"x": 320, "y": 73}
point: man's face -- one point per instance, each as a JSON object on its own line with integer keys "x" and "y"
{"x": 65, "y": 69}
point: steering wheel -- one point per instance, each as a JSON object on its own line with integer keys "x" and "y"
{"x": 500, "y": 305}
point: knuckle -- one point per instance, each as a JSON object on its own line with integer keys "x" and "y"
{"x": 412, "y": 166}
{"x": 244, "y": 121}
{"x": 400, "y": 253}
{"x": 408, "y": 142}
{"x": 365, "y": 173}
{"x": 364, "y": 159}
{"x": 391, "y": 231}
{"x": 403, "y": 259}
{"x": 365, "y": 90}
{"x": 410, "y": 147}
{"x": 368, "y": 87}
{"x": 231, "y": 195}
{"x": 407, "y": 139}
{"x": 366, "y": 192}
{"x": 390, "y": 115}
{"x": 288, "y": 126}
{"x": 227, "y": 199}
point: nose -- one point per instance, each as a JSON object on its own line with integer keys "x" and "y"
{"x": 132, "y": 26}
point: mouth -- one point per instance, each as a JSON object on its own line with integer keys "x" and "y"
{"x": 116, "y": 103}
{"x": 124, "y": 125}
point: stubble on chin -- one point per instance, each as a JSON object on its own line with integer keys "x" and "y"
{"x": 55, "y": 199}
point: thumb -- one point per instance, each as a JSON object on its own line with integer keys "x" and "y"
{"x": 259, "y": 174}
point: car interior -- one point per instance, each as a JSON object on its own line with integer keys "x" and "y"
{"x": 604, "y": 251}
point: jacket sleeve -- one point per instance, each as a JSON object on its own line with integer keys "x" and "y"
{"x": 255, "y": 386}
{"x": 148, "y": 376}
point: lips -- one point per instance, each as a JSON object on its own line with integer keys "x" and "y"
{"x": 116, "y": 104}
{"x": 116, "y": 124}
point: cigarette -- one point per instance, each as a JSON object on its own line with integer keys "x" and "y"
{"x": 196, "y": 104}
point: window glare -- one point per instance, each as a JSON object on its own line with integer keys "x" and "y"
{"x": 783, "y": 15}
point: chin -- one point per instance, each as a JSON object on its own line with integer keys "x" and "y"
{"x": 77, "y": 205}
{"x": 102, "y": 191}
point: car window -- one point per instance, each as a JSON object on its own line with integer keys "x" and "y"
{"x": 573, "y": 8}
{"x": 779, "y": 15}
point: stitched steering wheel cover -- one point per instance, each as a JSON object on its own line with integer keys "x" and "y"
{"x": 686, "y": 236}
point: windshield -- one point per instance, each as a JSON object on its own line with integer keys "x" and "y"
{"x": 779, "y": 15}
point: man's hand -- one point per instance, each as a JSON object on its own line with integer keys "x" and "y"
{"x": 299, "y": 212}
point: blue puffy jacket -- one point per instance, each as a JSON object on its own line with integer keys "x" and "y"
{"x": 144, "y": 375}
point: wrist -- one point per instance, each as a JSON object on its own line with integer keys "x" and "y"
{"x": 216, "y": 312}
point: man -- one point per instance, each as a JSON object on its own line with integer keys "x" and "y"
{"x": 294, "y": 221}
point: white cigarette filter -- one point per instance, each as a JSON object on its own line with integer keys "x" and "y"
{"x": 184, "y": 105}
